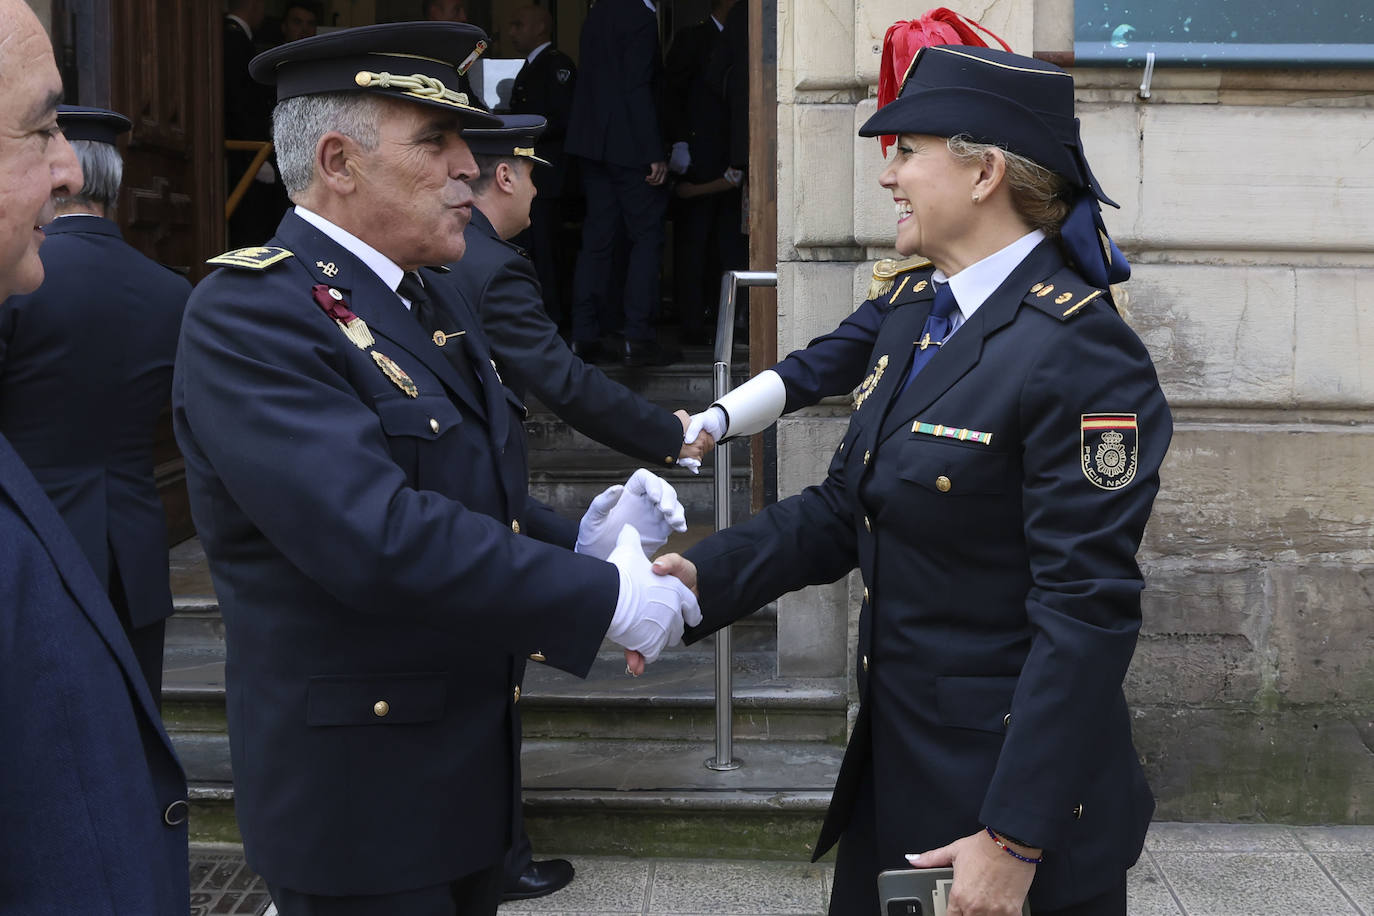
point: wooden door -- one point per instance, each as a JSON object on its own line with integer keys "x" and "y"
{"x": 158, "y": 63}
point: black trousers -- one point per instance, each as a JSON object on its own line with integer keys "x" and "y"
{"x": 146, "y": 641}
{"x": 855, "y": 890}
{"x": 706, "y": 242}
{"x": 620, "y": 204}
{"x": 477, "y": 894}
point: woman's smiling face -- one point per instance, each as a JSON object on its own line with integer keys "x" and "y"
{"x": 932, "y": 194}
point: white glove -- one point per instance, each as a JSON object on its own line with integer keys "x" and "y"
{"x": 646, "y": 501}
{"x": 734, "y": 176}
{"x": 691, "y": 464}
{"x": 712, "y": 420}
{"x": 680, "y": 158}
{"x": 651, "y": 609}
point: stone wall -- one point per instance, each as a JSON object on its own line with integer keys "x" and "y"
{"x": 1248, "y": 212}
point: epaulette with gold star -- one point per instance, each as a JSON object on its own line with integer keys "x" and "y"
{"x": 886, "y": 271}
{"x": 254, "y": 258}
{"x": 1064, "y": 294}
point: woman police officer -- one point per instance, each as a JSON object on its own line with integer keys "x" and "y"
{"x": 992, "y": 488}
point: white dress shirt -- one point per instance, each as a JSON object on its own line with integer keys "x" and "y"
{"x": 974, "y": 284}
{"x": 386, "y": 269}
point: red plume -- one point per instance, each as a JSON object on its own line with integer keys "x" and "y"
{"x": 939, "y": 26}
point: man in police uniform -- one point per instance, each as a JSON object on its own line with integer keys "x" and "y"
{"x": 92, "y": 799}
{"x": 498, "y": 282}
{"x": 496, "y": 279}
{"x": 357, "y": 474}
{"x": 85, "y": 371}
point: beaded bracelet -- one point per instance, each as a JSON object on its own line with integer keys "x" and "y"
{"x": 1012, "y": 852}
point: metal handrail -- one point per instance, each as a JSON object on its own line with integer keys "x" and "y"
{"x": 730, "y": 283}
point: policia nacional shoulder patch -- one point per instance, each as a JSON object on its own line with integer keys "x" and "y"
{"x": 1110, "y": 448}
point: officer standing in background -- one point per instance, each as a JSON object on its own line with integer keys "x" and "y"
{"x": 496, "y": 280}
{"x": 616, "y": 133}
{"x": 544, "y": 87}
{"x": 92, "y": 799}
{"x": 358, "y": 477}
{"x": 85, "y": 371}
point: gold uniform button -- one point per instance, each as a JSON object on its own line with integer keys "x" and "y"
{"x": 536, "y": 656}
{"x": 865, "y": 662}
{"x": 841, "y": 448}
{"x": 381, "y": 708}
{"x": 867, "y": 455}
{"x": 1006, "y": 721}
{"x": 865, "y": 594}
{"x": 517, "y": 693}
{"x": 434, "y": 424}
{"x": 515, "y": 525}
{"x": 868, "y": 525}
{"x": 1078, "y": 811}
{"x": 669, "y": 460}
{"x": 942, "y": 483}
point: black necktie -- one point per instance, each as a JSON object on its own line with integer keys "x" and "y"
{"x": 422, "y": 307}
{"x": 937, "y": 327}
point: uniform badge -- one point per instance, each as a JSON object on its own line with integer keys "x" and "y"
{"x": 396, "y": 374}
{"x": 1110, "y": 447}
{"x": 258, "y": 257}
{"x": 329, "y": 270}
{"x": 331, "y": 301}
{"x": 870, "y": 384}
{"x": 562, "y": 75}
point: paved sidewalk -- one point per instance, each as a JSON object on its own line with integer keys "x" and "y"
{"x": 1187, "y": 870}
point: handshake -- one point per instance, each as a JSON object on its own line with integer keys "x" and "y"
{"x": 625, "y": 525}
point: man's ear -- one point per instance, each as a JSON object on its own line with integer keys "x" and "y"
{"x": 336, "y": 162}
{"x": 506, "y": 177}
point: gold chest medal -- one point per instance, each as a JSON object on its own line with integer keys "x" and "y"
{"x": 396, "y": 374}
{"x": 870, "y": 384}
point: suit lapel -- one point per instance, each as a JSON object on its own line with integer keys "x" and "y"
{"x": 57, "y": 539}
{"x": 963, "y": 351}
{"x": 370, "y": 299}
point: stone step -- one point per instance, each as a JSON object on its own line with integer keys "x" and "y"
{"x": 571, "y": 489}
{"x": 617, "y": 797}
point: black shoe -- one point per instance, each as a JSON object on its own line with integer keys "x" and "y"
{"x": 586, "y": 350}
{"x": 650, "y": 353}
{"x": 539, "y": 879}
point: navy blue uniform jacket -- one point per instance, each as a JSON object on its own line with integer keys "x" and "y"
{"x": 498, "y": 281}
{"x": 370, "y": 554}
{"x": 88, "y": 779}
{"x": 1002, "y": 596}
{"x": 85, "y": 371}
{"x": 615, "y": 113}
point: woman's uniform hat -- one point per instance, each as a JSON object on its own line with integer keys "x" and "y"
{"x": 515, "y": 137}
{"x": 1023, "y": 105}
{"x": 99, "y": 124}
{"x": 421, "y": 62}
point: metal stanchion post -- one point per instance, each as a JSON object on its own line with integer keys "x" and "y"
{"x": 725, "y": 344}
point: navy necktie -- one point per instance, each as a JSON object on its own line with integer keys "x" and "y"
{"x": 422, "y": 307}
{"x": 937, "y": 328}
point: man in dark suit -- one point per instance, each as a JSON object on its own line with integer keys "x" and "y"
{"x": 80, "y": 394}
{"x": 706, "y": 214}
{"x": 544, "y": 87}
{"x": 358, "y": 476}
{"x": 616, "y": 130}
{"x": 92, "y": 799}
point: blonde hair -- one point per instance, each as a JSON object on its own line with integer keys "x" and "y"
{"x": 1039, "y": 195}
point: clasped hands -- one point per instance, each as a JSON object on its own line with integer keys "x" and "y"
{"x": 695, "y": 443}
{"x": 625, "y": 525}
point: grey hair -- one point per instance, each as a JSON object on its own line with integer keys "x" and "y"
{"x": 300, "y": 122}
{"x": 1039, "y": 195}
{"x": 102, "y": 170}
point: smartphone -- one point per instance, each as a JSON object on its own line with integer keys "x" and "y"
{"x": 918, "y": 892}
